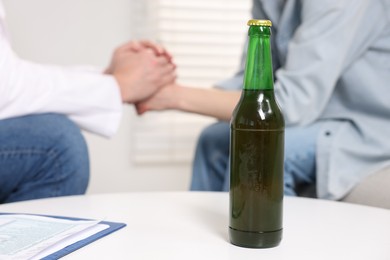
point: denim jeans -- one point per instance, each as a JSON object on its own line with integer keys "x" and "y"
{"x": 211, "y": 162}
{"x": 41, "y": 156}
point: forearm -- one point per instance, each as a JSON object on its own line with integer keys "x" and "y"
{"x": 210, "y": 102}
{"x": 90, "y": 99}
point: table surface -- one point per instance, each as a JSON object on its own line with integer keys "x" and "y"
{"x": 194, "y": 225}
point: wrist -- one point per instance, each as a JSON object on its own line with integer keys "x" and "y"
{"x": 107, "y": 71}
{"x": 125, "y": 96}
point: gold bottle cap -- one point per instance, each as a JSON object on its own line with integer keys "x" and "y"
{"x": 254, "y": 22}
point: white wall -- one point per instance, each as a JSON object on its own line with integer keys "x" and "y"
{"x": 69, "y": 32}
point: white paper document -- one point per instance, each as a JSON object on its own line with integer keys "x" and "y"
{"x": 34, "y": 237}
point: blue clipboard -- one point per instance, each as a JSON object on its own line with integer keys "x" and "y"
{"x": 113, "y": 226}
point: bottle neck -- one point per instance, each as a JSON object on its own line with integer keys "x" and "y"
{"x": 258, "y": 70}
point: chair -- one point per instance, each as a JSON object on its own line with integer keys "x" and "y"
{"x": 372, "y": 191}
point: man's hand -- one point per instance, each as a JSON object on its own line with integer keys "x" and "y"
{"x": 141, "y": 69}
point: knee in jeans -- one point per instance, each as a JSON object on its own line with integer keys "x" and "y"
{"x": 66, "y": 136}
{"x": 69, "y": 144}
{"x": 74, "y": 144}
{"x": 215, "y": 135}
{"x": 206, "y": 135}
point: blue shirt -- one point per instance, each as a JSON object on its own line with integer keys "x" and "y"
{"x": 332, "y": 65}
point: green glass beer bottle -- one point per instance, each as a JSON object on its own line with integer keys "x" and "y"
{"x": 257, "y": 150}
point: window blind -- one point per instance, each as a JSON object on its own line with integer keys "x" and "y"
{"x": 206, "y": 38}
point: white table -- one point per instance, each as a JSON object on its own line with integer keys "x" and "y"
{"x": 193, "y": 225}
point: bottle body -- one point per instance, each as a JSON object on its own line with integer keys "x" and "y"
{"x": 256, "y": 166}
{"x": 256, "y": 179}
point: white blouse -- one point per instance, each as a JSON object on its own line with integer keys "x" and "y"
{"x": 89, "y": 98}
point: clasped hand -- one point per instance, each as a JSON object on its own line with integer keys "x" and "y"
{"x": 141, "y": 69}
